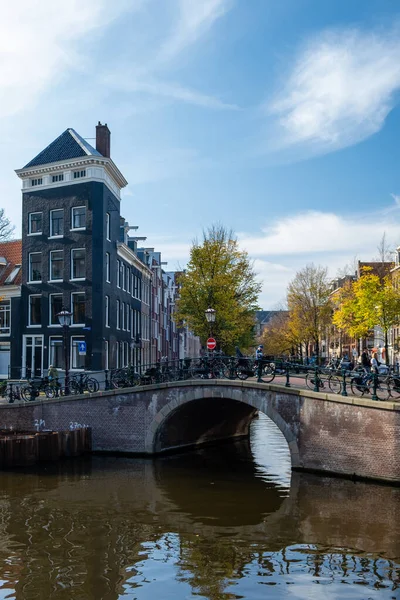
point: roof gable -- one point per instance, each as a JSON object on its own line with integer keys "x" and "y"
{"x": 12, "y": 251}
{"x": 68, "y": 145}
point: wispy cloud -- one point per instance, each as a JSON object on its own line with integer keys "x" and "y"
{"x": 340, "y": 90}
{"x": 37, "y": 44}
{"x": 194, "y": 19}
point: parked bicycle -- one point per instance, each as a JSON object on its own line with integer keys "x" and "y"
{"x": 81, "y": 383}
{"x": 323, "y": 381}
{"x": 35, "y": 387}
{"x": 363, "y": 383}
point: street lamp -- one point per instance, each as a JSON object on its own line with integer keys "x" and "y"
{"x": 210, "y": 316}
{"x": 64, "y": 318}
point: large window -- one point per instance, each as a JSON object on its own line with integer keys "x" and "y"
{"x": 77, "y": 360}
{"x": 122, "y": 275}
{"x": 78, "y": 263}
{"x": 35, "y": 310}
{"x": 108, "y": 267}
{"x": 118, "y": 273}
{"x": 5, "y": 317}
{"x": 118, "y": 315}
{"x": 107, "y": 311}
{"x": 78, "y": 308}
{"x": 56, "y": 305}
{"x": 78, "y": 217}
{"x": 108, "y": 226}
{"x": 56, "y": 265}
{"x": 56, "y": 354}
{"x": 35, "y": 266}
{"x": 57, "y": 222}
{"x": 35, "y": 223}
{"x": 106, "y": 357}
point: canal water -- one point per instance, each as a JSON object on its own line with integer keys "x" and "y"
{"x": 217, "y": 524}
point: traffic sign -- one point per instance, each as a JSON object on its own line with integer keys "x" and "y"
{"x": 211, "y": 344}
{"x": 81, "y": 348}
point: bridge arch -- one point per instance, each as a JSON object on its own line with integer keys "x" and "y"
{"x": 206, "y": 414}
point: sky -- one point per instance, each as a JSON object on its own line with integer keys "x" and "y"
{"x": 278, "y": 120}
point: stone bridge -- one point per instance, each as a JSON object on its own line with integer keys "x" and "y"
{"x": 325, "y": 432}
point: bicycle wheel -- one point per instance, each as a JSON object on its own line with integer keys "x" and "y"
{"x": 394, "y": 387}
{"x": 358, "y": 387}
{"x": 335, "y": 384}
{"x": 218, "y": 369}
{"x": 50, "y": 391}
{"x": 25, "y": 392}
{"x": 92, "y": 385}
{"x": 242, "y": 373}
{"x": 267, "y": 373}
{"x": 382, "y": 389}
{"x": 74, "y": 387}
{"x": 310, "y": 380}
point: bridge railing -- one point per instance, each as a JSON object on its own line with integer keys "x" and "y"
{"x": 357, "y": 382}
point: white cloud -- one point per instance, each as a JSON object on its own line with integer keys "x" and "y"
{"x": 194, "y": 19}
{"x": 318, "y": 232}
{"x": 340, "y": 90}
{"x": 37, "y": 44}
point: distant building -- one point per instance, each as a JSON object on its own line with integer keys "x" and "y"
{"x": 10, "y": 293}
{"x": 263, "y": 317}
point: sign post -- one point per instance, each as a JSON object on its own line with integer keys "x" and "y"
{"x": 211, "y": 344}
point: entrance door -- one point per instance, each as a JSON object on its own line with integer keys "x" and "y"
{"x": 32, "y": 356}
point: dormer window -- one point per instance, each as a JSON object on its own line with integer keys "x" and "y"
{"x": 36, "y": 181}
{"x": 58, "y": 177}
{"x": 79, "y": 174}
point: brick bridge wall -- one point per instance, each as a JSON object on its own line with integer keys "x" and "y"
{"x": 327, "y": 433}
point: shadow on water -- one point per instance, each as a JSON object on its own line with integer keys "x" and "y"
{"x": 219, "y": 524}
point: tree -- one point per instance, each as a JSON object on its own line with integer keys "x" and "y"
{"x": 221, "y": 276}
{"x": 6, "y": 229}
{"x": 309, "y": 304}
{"x": 370, "y": 301}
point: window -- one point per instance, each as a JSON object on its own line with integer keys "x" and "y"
{"x": 118, "y": 274}
{"x": 78, "y": 263}
{"x": 56, "y": 265}
{"x": 123, "y": 316}
{"x": 78, "y": 174}
{"x": 35, "y": 266}
{"x": 57, "y": 223}
{"x": 132, "y": 284}
{"x": 77, "y": 360}
{"x": 5, "y": 317}
{"x": 117, "y": 354}
{"x": 128, "y": 280}
{"x": 59, "y": 177}
{"x": 108, "y": 226}
{"x": 37, "y": 181}
{"x": 121, "y": 275}
{"x": 56, "y": 305}
{"x": 56, "y": 354}
{"x": 78, "y": 308}
{"x": 108, "y": 267}
{"x": 127, "y": 310}
{"x": 107, "y": 311}
{"x": 78, "y": 217}
{"x": 35, "y": 223}
{"x": 35, "y": 310}
{"x": 106, "y": 357}
{"x": 118, "y": 322}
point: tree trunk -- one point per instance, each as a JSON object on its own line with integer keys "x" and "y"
{"x": 386, "y": 348}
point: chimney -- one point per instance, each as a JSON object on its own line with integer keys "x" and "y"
{"x": 103, "y": 135}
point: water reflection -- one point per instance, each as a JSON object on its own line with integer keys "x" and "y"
{"x": 217, "y": 524}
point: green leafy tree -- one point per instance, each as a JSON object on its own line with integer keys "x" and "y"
{"x": 221, "y": 276}
{"x": 309, "y": 303}
{"x": 370, "y": 301}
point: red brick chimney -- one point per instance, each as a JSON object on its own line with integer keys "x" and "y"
{"x": 103, "y": 135}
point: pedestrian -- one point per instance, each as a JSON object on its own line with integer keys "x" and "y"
{"x": 52, "y": 376}
{"x": 375, "y": 363}
{"x": 260, "y": 352}
{"x": 365, "y": 361}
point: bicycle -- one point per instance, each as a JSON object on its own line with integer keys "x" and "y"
{"x": 34, "y": 387}
{"x": 82, "y": 382}
{"x": 364, "y": 384}
{"x": 331, "y": 381}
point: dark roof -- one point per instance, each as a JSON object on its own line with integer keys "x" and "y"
{"x": 264, "y": 316}
{"x": 12, "y": 252}
{"x": 68, "y": 145}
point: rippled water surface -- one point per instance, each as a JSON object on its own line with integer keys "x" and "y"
{"x": 218, "y": 524}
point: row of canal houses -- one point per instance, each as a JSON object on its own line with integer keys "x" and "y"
{"x": 77, "y": 253}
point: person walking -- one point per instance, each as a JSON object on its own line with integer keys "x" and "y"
{"x": 365, "y": 361}
{"x": 375, "y": 363}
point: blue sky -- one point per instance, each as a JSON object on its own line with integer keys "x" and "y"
{"x": 277, "y": 119}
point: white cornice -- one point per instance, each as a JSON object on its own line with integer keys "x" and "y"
{"x": 107, "y": 163}
{"x": 127, "y": 254}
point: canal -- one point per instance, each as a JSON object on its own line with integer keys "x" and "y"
{"x": 219, "y": 524}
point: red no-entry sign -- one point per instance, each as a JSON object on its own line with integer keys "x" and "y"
{"x": 211, "y": 344}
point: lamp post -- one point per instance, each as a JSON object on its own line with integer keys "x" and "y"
{"x": 210, "y": 316}
{"x": 64, "y": 318}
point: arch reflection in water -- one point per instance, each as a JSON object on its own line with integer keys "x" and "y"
{"x": 211, "y": 524}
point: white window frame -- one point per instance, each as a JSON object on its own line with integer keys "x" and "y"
{"x": 72, "y": 309}
{"x": 6, "y": 309}
{"x": 30, "y": 269}
{"x": 34, "y": 325}
{"x": 123, "y": 316}
{"x": 57, "y": 177}
{"x": 107, "y": 358}
{"x": 50, "y": 323}
{"x": 117, "y": 355}
{"x": 38, "y": 212}
{"x": 107, "y": 307}
{"x": 108, "y": 267}
{"x": 72, "y": 278}
{"x": 118, "y": 309}
{"x": 59, "y": 235}
{"x": 118, "y": 274}
{"x": 79, "y": 174}
{"x": 123, "y": 276}
{"x": 50, "y": 270}
{"x": 72, "y": 228}
{"x": 36, "y": 181}
{"x": 80, "y": 338}
{"x": 51, "y": 359}
{"x": 108, "y": 227}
